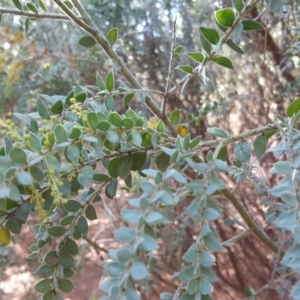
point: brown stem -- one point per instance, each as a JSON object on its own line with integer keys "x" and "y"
{"x": 97, "y": 248}
{"x": 165, "y": 98}
{"x": 238, "y": 137}
{"x": 251, "y": 223}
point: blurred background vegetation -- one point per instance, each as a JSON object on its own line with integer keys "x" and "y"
{"x": 46, "y": 59}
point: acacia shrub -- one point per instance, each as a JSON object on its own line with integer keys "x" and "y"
{"x": 51, "y": 165}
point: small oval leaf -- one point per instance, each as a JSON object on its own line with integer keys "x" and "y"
{"x": 17, "y": 155}
{"x": 225, "y": 17}
{"x": 185, "y": 69}
{"x": 252, "y": 25}
{"x": 260, "y": 145}
{"x": 223, "y": 61}
{"x": 196, "y": 56}
{"x": 238, "y": 4}
{"x": 56, "y": 231}
{"x": 90, "y": 212}
{"x": 17, "y": 4}
{"x": 87, "y": 41}
{"x": 110, "y": 81}
{"x": 210, "y": 34}
{"x": 4, "y": 235}
{"x": 242, "y": 151}
{"x": 112, "y": 36}
{"x": 293, "y": 108}
{"x": 231, "y": 44}
{"x": 32, "y": 8}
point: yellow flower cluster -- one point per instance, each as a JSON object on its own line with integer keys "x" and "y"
{"x": 54, "y": 183}
{"x": 38, "y": 200}
{"x": 3, "y": 63}
{"x": 13, "y": 73}
{"x": 18, "y": 36}
{"x": 47, "y": 133}
{"x": 78, "y": 110}
{"x": 74, "y": 172}
{"x": 10, "y": 128}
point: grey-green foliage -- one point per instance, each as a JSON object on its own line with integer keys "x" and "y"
{"x": 197, "y": 276}
{"x": 48, "y": 164}
{"x": 285, "y": 216}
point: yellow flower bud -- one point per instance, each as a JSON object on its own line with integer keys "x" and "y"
{"x": 64, "y": 201}
{"x": 153, "y": 122}
{"x": 182, "y": 130}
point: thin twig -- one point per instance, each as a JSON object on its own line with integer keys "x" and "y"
{"x": 276, "y": 263}
{"x": 32, "y": 15}
{"x": 237, "y": 237}
{"x": 177, "y": 292}
{"x": 238, "y": 137}
{"x": 261, "y": 235}
{"x": 148, "y": 91}
{"x": 293, "y": 12}
{"x": 266, "y": 35}
{"x": 270, "y": 284}
{"x": 87, "y": 19}
{"x": 97, "y": 248}
{"x": 76, "y": 19}
{"x": 165, "y": 99}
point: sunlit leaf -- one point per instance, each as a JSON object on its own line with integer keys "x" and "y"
{"x": 185, "y": 69}
{"x": 43, "y": 6}
{"x": 225, "y": 17}
{"x": 210, "y": 34}
{"x": 223, "y": 61}
{"x": 17, "y": 4}
{"x": 87, "y": 41}
{"x": 293, "y": 108}
{"x": 195, "y": 56}
{"x": 4, "y": 235}
{"x": 32, "y": 8}
{"x": 175, "y": 117}
{"x": 110, "y": 81}
{"x": 112, "y": 36}
{"x": 252, "y": 25}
